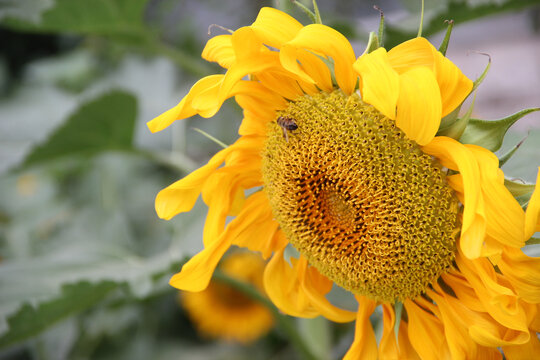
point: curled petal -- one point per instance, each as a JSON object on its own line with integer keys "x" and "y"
{"x": 505, "y": 218}
{"x": 380, "y": 82}
{"x": 261, "y": 235}
{"x": 426, "y": 333}
{"x": 322, "y": 40}
{"x": 219, "y": 49}
{"x": 411, "y": 54}
{"x": 419, "y": 105}
{"x": 456, "y": 156}
{"x": 523, "y": 272}
{"x": 532, "y": 215}
{"x": 184, "y": 109}
{"x": 282, "y": 284}
{"x": 181, "y": 196}
{"x": 316, "y": 286}
{"x": 454, "y": 86}
{"x": 364, "y": 345}
{"x": 275, "y": 27}
{"x": 197, "y": 272}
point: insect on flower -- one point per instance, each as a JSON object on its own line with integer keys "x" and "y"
{"x": 287, "y": 123}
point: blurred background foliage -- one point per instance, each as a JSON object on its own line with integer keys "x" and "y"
{"x": 84, "y": 260}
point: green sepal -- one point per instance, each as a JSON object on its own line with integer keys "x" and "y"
{"x": 398, "y": 309}
{"x": 533, "y": 241}
{"x": 373, "y": 43}
{"x": 212, "y": 138}
{"x": 490, "y": 134}
{"x": 381, "y": 26}
{"x": 504, "y": 158}
{"x": 520, "y": 191}
{"x": 314, "y": 16}
{"x": 478, "y": 81}
{"x": 446, "y": 40}
{"x": 452, "y": 126}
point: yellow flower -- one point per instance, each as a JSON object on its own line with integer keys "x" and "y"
{"x": 222, "y": 312}
{"x": 347, "y": 167}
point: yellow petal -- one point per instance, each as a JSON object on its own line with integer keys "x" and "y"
{"x": 454, "y": 86}
{"x": 389, "y": 348}
{"x": 460, "y": 344}
{"x": 317, "y": 70}
{"x": 530, "y": 350}
{"x": 184, "y": 109}
{"x": 380, "y": 83}
{"x": 219, "y": 49}
{"x": 282, "y": 285}
{"x": 498, "y": 299}
{"x": 426, "y": 333}
{"x": 504, "y": 215}
{"x": 523, "y": 272}
{"x": 197, "y": 272}
{"x": 364, "y": 345}
{"x": 419, "y": 105}
{"x": 316, "y": 286}
{"x": 275, "y": 27}
{"x": 260, "y": 235}
{"x": 322, "y": 40}
{"x": 456, "y": 156}
{"x": 181, "y": 196}
{"x": 532, "y": 215}
{"x": 411, "y": 54}
{"x": 224, "y": 189}
{"x": 281, "y": 84}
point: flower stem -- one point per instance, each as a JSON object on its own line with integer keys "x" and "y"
{"x": 284, "y": 322}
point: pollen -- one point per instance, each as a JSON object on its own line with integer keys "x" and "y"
{"x": 358, "y": 199}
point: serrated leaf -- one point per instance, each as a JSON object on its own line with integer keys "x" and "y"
{"x": 490, "y": 133}
{"x": 106, "y": 123}
{"x": 99, "y": 17}
{"x": 74, "y": 298}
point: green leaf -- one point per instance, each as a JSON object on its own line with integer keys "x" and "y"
{"x": 106, "y": 123}
{"x": 75, "y": 298}
{"x": 532, "y": 241}
{"x": 439, "y": 11}
{"x": 316, "y": 334}
{"x": 490, "y": 133}
{"x": 100, "y": 17}
{"x": 27, "y": 10}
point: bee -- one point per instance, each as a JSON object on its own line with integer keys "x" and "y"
{"x": 287, "y": 123}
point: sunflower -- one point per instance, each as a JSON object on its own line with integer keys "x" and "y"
{"x": 339, "y": 157}
{"x": 235, "y": 316}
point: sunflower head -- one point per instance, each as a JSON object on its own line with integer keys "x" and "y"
{"x": 359, "y": 199}
{"x": 343, "y": 158}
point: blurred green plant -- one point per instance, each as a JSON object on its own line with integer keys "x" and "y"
{"x": 84, "y": 260}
